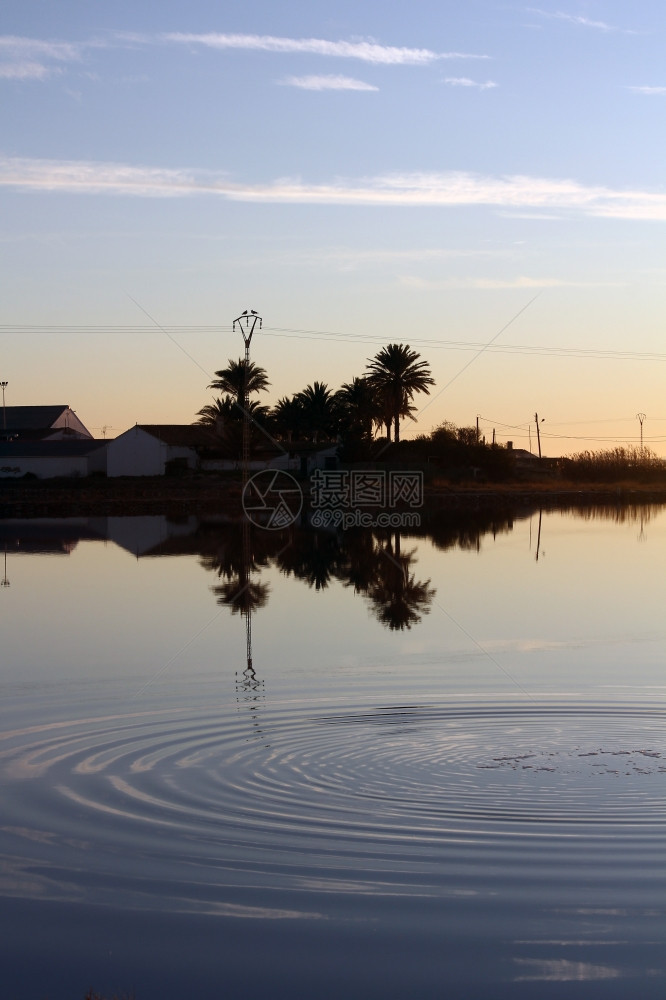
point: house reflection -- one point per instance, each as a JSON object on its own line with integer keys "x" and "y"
{"x": 381, "y": 566}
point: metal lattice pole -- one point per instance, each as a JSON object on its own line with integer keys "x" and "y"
{"x": 247, "y": 324}
{"x": 640, "y": 417}
{"x": 4, "y": 411}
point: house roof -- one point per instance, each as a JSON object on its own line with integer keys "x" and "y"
{"x": 32, "y": 418}
{"x": 183, "y": 435}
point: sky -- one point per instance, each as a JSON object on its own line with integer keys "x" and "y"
{"x": 482, "y": 181}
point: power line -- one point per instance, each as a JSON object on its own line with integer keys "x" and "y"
{"x": 339, "y": 337}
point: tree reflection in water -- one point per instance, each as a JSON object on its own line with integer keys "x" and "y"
{"x": 373, "y": 565}
{"x": 398, "y": 600}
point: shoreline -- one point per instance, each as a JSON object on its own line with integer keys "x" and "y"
{"x": 222, "y": 495}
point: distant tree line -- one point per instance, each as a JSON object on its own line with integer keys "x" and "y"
{"x": 373, "y": 403}
{"x": 365, "y": 415}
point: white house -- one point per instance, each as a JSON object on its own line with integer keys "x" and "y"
{"x": 301, "y": 458}
{"x": 146, "y": 449}
{"x": 49, "y": 459}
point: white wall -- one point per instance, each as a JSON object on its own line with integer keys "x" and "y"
{"x": 43, "y": 466}
{"x": 254, "y": 465}
{"x": 136, "y": 453}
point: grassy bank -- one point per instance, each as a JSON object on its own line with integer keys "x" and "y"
{"x": 222, "y": 495}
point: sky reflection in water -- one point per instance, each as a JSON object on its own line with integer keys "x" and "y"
{"x": 444, "y": 767}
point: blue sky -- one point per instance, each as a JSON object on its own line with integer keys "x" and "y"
{"x": 483, "y": 181}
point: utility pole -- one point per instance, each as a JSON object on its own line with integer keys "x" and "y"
{"x": 536, "y": 419}
{"x": 477, "y": 428}
{"x": 4, "y": 411}
{"x": 246, "y": 324}
{"x": 641, "y": 417}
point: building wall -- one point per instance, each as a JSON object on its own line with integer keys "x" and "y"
{"x": 136, "y": 453}
{"x": 254, "y": 465}
{"x": 43, "y": 466}
{"x": 97, "y": 460}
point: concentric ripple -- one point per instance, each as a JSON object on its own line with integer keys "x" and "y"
{"x": 193, "y": 810}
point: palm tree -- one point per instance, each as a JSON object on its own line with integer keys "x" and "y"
{"x": 357, "y": 404}
{"x": 287, "y": 417}
{"x": 232, "y": 379}
{"x": 396, "y": 374}
{"x": 216, "y": 414}
{"x": 317, "y": 406}
{"x": 225, "y": 418}
{"x": 386, "y": 415}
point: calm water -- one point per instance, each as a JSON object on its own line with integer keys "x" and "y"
{"x": 353, "y": 765}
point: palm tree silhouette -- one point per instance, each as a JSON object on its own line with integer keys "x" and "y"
{"x": 232, "y": 379}
{"x": 316, "y": 401}
{"x": 396, "y": 374}
{"x": 358, "y": 407}
{"x": 287, "y": 417}
{"x": 225, "y": 418}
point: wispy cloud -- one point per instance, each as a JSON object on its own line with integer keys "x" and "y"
{"x": 353, "y": 259}
{"x": 34, "y": 59}
{"x": 537, "y": 216}
{"x": 24, "y": 70}
{"x": 17, "y": 47}
{"x": 326, "y": 83}
{"x": 448, "y": 189}
{"x": 651, "y": 91}
{"x": 464, "y": 81}
{"x": 577, "y": 19}
{"x": 563, "y": 970}
{"x": 368, "y": 51}
{"x": 419, "y": 284}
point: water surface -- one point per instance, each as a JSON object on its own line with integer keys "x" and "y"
{"x": 290, "y": 764}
